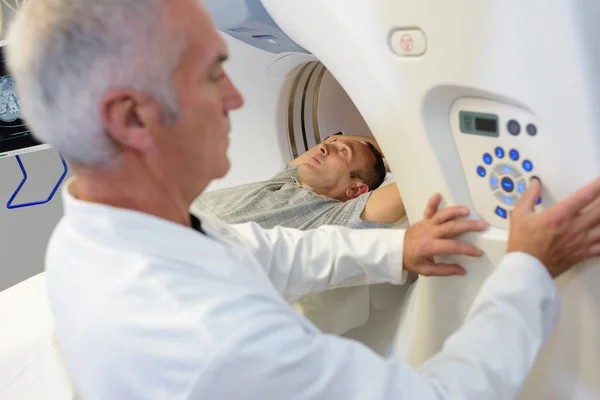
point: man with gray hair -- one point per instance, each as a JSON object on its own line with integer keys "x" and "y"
{"x": 150, "y": 303}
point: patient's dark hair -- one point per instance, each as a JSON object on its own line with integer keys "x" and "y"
{"x": 375, "y": 175}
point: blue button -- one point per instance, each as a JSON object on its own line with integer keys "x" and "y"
{"x": 481, "y": 171}
{"x": 507, "y": 169}
{"x": 521, "y": 187}
{"x": 514, "y": 155}
{"x": 493, "y": 181}
{"x": 538, "y": 201}
{"x": 532, "y": 129}
{"x": 507, "y": 184}
{"x": 513, "y": 127}
{"x": 508, "y": 200}
{"x": 499, "y": 152}
{"x": 487, "y": 158}
{"x": 501, "y": 212}
{"x": 527, "y": 165}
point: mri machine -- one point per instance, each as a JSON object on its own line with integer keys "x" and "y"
{"x": 467, "y": 98}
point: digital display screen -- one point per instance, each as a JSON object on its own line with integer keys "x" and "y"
{"x": 480, "y": 124}
{"x": 15, "y": 136}
{"x": 486, "y": 125}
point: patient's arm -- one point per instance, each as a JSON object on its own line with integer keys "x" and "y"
{"x": 384, "y": 205}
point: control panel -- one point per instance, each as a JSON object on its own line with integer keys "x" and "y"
{"x": 496, "y": 143}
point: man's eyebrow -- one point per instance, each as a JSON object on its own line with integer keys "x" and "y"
{"x": 351, "y": 146}
{"x": 214, "y": 67}
{"x": 219, "y": 59}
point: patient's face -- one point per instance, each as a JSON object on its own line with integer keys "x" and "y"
{"x": 328, "y": 172}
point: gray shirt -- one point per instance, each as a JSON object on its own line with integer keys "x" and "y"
{"x": 283, "y": 201}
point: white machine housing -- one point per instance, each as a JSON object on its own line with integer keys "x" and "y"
{"x": 411, "y": 68}
{"x": 404, "y": 71}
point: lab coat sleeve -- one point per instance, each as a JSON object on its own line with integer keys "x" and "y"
{"x": 303, "y": 262}
{"x": 490, "y": 357}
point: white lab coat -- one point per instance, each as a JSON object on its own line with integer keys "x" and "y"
{"x": 148, "y": 309}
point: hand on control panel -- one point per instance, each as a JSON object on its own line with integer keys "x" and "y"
{"x": 433, "y": 236}
{"x": 563, "y": 235}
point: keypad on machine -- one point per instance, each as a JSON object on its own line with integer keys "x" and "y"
{"x": 506, "y": 175}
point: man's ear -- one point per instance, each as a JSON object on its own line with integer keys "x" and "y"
{"x": 357, "y": 189}
{"x": 130, "y": 119}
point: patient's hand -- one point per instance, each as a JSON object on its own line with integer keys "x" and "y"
{"x": 434, "y": 235}
{"x": 563, "y": 235}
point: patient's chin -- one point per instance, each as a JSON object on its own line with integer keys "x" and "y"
{"x": 308, "y": 175}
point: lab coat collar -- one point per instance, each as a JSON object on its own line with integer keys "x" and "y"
{"x": 136, "y": 231}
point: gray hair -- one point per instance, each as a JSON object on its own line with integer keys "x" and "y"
{"x": 66, "y": 54}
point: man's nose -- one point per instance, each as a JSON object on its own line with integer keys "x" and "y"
{"x": 233, "y": 98}
{"x": 325, "y": 149}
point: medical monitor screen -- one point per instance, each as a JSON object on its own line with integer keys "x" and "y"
{"x": 15, "y": 136}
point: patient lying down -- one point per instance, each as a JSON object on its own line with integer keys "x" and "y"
{"x": 337, "y": 182}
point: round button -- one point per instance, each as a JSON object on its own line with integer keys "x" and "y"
{"x": 481, "y": 171}
{"x": 514, "y": 155}
{"x": 507, "y": 184}
{"x": 527, "y": 165}
{"x": 501, "y": 212}
{"x": 514, "y": 128}
{"x": 499, "y": 152}
{"x": 487, "y": 158}
{"x": 532, "y": 129}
